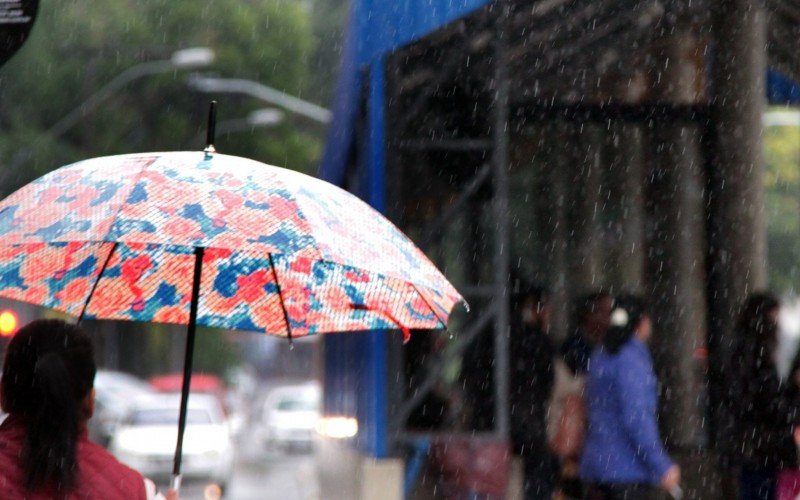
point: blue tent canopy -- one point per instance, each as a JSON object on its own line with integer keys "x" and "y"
{"x": 782, "y": 90}
{"x": 376, "y": 28}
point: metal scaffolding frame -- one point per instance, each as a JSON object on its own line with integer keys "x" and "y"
{"x": 533, "y": 113}
{"x": 495, "y": 146}
{"x": 480, "y": 75}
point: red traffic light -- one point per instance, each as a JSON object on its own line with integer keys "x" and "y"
{"x": 8, "y": 323}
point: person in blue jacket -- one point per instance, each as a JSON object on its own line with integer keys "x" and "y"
{"x": 623, "y": 456}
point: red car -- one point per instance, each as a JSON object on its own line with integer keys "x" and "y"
{"x": 202, "y": 383}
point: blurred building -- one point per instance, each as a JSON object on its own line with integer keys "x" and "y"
{"x": 582, "y": 145}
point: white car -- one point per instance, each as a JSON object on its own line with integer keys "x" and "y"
{"x": 114, "y": 394}
{"x": 145, "y": 440}
{"x": 290, "y": 415}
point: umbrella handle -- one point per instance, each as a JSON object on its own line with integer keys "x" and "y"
{"x": 175, "y": 482}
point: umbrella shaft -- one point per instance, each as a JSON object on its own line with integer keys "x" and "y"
{"x": 187, "y": 364}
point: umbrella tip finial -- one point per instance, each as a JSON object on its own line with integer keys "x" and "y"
{"x": 211, "y": 130}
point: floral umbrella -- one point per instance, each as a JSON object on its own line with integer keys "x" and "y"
{"x": 201, "y": 238}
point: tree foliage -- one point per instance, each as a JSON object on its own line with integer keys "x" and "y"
{"x": 78, "y": 46}
{"x": 782, "y": 202}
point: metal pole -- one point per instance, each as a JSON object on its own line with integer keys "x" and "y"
{"x": 501, "y": 258}
{"x": 553, "y": 194}
{"x": 677, "y": 244}
{"x": 583, "y": 210}
{"x": 263, "y": 92}
{"x": 127, "y": 76}
{"x": 434, "y": 230}
{"x": 627, "y": 145}
{"x": 73, "y": 117}
{"x": 212, "y": 127}
{"x": 436, "y": 368}
{"x": 736, "y": 218}
{"x": 187, "y": 367}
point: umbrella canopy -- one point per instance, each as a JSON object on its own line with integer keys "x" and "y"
{"x": 283, "y": 253}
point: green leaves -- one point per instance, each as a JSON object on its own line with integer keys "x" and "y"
{"x": 78, "y": 46}
{"x": 782, "y": 201}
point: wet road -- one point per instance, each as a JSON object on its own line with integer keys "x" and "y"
{"x": 260, "y": 475}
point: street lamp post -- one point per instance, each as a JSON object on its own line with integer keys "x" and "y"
{"x": 263, "y": 92}
{"x": 197, "y": 57}
{"x": 191, "y": 58}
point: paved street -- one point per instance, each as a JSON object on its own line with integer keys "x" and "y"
{"x": 266, "y": 476}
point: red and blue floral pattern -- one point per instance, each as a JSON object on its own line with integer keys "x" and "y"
{"x": 285, "y": 253}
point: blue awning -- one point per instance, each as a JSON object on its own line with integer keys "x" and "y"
{"x": 341, "y": 133}
{"x": 376, "y": 28}
{"x": 782, "y": 90}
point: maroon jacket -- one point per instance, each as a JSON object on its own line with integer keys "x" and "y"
{"x": 100, "y": 475}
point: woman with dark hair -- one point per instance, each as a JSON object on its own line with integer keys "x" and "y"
{"x": 623, "y": 456}
{"x": 47, "y": 390}
{"x": 760, "y": 400}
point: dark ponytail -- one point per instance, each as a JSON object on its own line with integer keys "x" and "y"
{"x": 757, "y": 326}
{"x": 626, "y": 315}
{"x": 49, "y": 370}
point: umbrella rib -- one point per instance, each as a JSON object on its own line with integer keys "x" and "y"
{"x": 433, "y": 309}
{"x": 99, "y": 277}
{"x": 123, "y": 202}
{"x": 280, "y": 297}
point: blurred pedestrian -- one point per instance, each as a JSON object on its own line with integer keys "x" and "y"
{"x": 567, "y": 416}
{"x": 592, "y": 316}
{"x": 788, "y": 481}
{"x": 47, "y": 390}
{"x": 763, "y": 409}
{"x": 531, "y": 359}
{"x": 477, "y": 378}
{"x": 623, "y": 457}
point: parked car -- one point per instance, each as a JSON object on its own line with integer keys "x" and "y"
{"x": 114, "y": 393}
{"x": 145, "y": 440}
{"x": 201, "y": 383}
{"x": 290, "y": 416}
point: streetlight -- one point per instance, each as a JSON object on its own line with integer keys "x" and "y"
{"x": 263, "y": 92}
{"x": 192, "y": 58}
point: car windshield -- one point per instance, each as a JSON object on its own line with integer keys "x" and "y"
{"x": 297, "y": 405}
{"x": 167, "y": 416}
